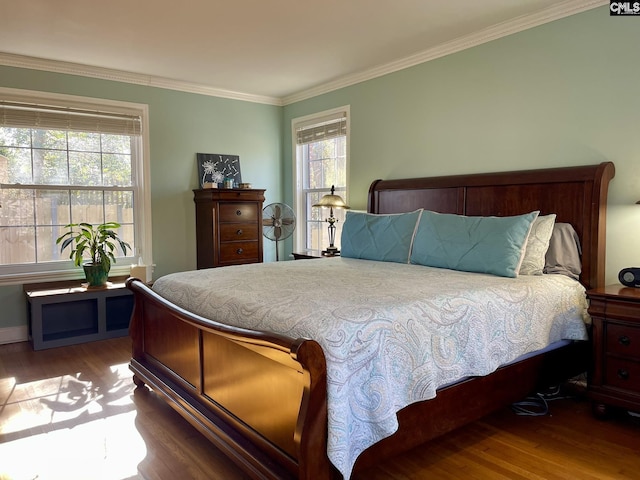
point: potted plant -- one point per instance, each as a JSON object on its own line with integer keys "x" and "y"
{"x": 99, "y": 243}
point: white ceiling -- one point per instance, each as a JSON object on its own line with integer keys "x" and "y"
{"x": 271, "y": 51}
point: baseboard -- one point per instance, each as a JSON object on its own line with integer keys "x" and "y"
{"x": 14, "y": 334}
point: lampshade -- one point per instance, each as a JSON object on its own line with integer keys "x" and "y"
{"x": 332, "y": 201}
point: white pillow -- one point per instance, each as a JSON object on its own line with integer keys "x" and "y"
{"x": 537, "y": 245}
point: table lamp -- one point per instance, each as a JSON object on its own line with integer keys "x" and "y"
{"x": 332, "y": 201}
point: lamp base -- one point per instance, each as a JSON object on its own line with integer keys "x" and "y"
{"x": 331, "y": 252}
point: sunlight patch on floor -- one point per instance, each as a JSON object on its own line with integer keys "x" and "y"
{"x": 104, "y": 449}
{"x": 42, "y": 404}
{"x": 75, "y": 426}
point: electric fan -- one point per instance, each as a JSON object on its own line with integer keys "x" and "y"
{"x": 278, "y": 222}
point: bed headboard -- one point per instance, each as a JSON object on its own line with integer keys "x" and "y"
{"x": 577, "y": 195}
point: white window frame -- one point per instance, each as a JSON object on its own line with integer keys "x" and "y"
{"x": 141, "y": 174}
{"x": 299, "y": 238}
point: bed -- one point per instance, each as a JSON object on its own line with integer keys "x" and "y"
{"x": 267, "y": 399}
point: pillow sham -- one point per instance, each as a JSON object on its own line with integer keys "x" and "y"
{"x": 563, "y": 255}
{"x": 387, "y": 238}
{"x": 537, "y": 245}
{"x": 492, "y": 245}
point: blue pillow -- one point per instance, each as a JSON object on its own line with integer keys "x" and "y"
{"x": 387, "y": 238}
{"x": 492, "y": 245}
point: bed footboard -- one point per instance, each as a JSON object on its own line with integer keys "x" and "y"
{"x": 269, "y": 414}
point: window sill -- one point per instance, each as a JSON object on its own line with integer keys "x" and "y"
{"x": 57, "y": 275}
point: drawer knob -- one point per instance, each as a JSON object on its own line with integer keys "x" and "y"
{"x": 239, "y": 232}
{"x": 624, "y": 340}
{"x": 623, "y": 374}
{"x": 239, "y": 251}
{"x": 238, "y": 212}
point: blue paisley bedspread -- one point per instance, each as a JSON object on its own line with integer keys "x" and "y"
{"x": 392, "y": 333}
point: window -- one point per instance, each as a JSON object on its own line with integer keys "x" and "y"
{"x": 68, "y": 160}
{"x": 321, "y": 161}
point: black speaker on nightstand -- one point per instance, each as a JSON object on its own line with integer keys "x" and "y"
{"x": 630, "y": 277}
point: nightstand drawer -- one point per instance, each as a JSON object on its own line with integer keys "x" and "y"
{"x": 622, "y": 311}
{"x": 623, "y": 374}
{"x": 239, "y": 252}
{"x": 623, "y": 340}
{"x": 238, "y": 212}
{"x": 230, "y": 232}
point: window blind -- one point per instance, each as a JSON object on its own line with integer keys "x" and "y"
{"x": 28, "y": 115}
{"x": 335, "y": 127}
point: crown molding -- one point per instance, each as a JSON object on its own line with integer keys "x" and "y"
{"x": 555, "y": 12}
{"x": 525, "y": 22}
{"x": 33, "y": 63}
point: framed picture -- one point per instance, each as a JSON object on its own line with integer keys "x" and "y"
{"x": 216, "y": 168}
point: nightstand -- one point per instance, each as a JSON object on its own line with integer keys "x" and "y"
{"x": 614, "y": 376}
{"x": 304, "y": 254}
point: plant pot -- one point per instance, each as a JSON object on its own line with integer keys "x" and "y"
{"x": 96, "y": 274}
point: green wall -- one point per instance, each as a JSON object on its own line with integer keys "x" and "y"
{"x": 181, "y": 125}
{"x": 561, "y": 94}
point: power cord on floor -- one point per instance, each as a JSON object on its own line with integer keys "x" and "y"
{"x": 554, "y": 393}
{"x": 537, "y": 405}
{"x": 532, "y": 406}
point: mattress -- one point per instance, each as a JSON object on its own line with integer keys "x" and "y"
{"x": 392, "y": 333}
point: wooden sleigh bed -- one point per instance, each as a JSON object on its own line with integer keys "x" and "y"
{"x": 261, "y": 398}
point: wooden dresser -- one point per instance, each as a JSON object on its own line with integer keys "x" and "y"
{"x": 228, "y": 226}
{"x": 615, "y": 371}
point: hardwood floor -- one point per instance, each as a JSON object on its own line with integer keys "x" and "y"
{"x": 71, "y": 413}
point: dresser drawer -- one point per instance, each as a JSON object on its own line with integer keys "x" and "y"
{"x": 622, "y": 373}
{"x": 623, "y": 340}
{"x": 239, "y": 252}
{"x": 230, "y": 232}
{"x": 238, "y": 212}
